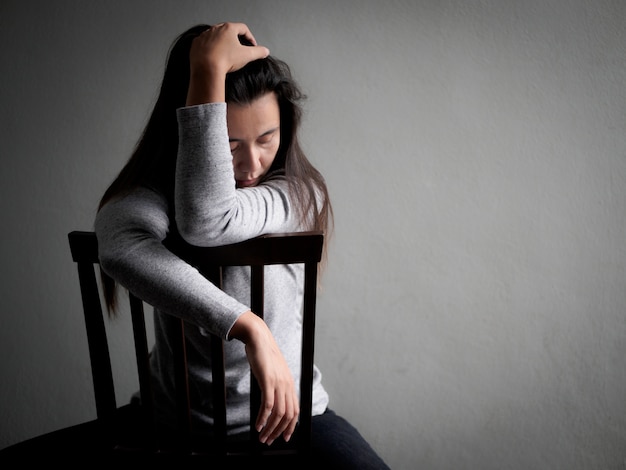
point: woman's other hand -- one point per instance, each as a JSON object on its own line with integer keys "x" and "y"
{"x": 216, "y": 52}
{"x": 280, "y": 406}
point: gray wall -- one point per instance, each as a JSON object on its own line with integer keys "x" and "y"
{"x": 473, "y": 313}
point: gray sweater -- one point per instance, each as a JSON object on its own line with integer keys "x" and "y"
{"x": 210, "y": 211}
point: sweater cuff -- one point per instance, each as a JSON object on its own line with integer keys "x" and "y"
{"x": 201, "y": 115}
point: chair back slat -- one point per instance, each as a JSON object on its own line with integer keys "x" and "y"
{"x": 142, "y": 352}
{"x": 308, "y": 347}
{"x": 83, "y": 251}
{"x": 181, "y": 379}
{"x": 219, "y": 393}
{"x": 214, "y": 274}
{"x": 257, "y": 304}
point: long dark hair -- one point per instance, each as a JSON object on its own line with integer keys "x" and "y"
{"x": 153, "y": 161}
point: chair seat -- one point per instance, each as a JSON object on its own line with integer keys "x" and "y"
{"x": 88, "y": 442}
{"x": 88, "y": 438}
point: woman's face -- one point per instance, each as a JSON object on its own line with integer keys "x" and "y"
{"x": 254, "y": 135}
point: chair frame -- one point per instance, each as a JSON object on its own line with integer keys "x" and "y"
{"x": 284, "y": 248}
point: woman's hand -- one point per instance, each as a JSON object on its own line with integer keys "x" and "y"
{"x": 216, "y": 52}
{"x": 280, "y": 406}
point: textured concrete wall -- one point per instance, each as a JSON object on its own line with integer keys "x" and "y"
{"x": 473, "y": 312}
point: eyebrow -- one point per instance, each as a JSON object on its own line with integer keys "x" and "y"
{"x": 271, "y": 131}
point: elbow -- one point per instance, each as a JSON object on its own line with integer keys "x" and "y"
{"x": 188, "y": 234}
{"x": 205, "y": 225}
{"x": 196, "y": 235}
{"x": 110, "y": 263}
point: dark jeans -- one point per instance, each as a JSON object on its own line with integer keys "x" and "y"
{"x": 336, "y": 444}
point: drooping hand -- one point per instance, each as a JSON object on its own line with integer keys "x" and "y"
{"x": 280, "y": 407}
{"x": 216, "y": 52}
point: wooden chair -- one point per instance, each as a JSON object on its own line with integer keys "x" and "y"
{"x": 305, "y": 248}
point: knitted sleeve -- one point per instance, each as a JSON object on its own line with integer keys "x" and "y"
{"x": 209, "y": 209}
{"x": 130, "y": 231}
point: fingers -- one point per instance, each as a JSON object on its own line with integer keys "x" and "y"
{"x": 241, "y": 29}
{"x": 255, "y": 51}
{"x": 238, "y": 34}
{"x": 278, "y": 416}
{"x": 280, "y": 406}
{"x": 264, "y": 412}
{"x": 289, "y": 422}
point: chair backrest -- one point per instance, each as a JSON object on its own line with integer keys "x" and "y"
{"x": 297, "y": 248}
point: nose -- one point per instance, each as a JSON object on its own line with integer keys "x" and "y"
{"x": 248, "y": 159}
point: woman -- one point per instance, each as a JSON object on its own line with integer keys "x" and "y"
{"x": 219, "y": 162}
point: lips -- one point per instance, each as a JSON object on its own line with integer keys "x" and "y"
{"x": 247, "y": 183}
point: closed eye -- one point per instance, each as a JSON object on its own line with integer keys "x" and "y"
{"x": 266, "y": 138}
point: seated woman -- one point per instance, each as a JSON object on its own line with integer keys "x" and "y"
{"x": 219, "y": 162}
